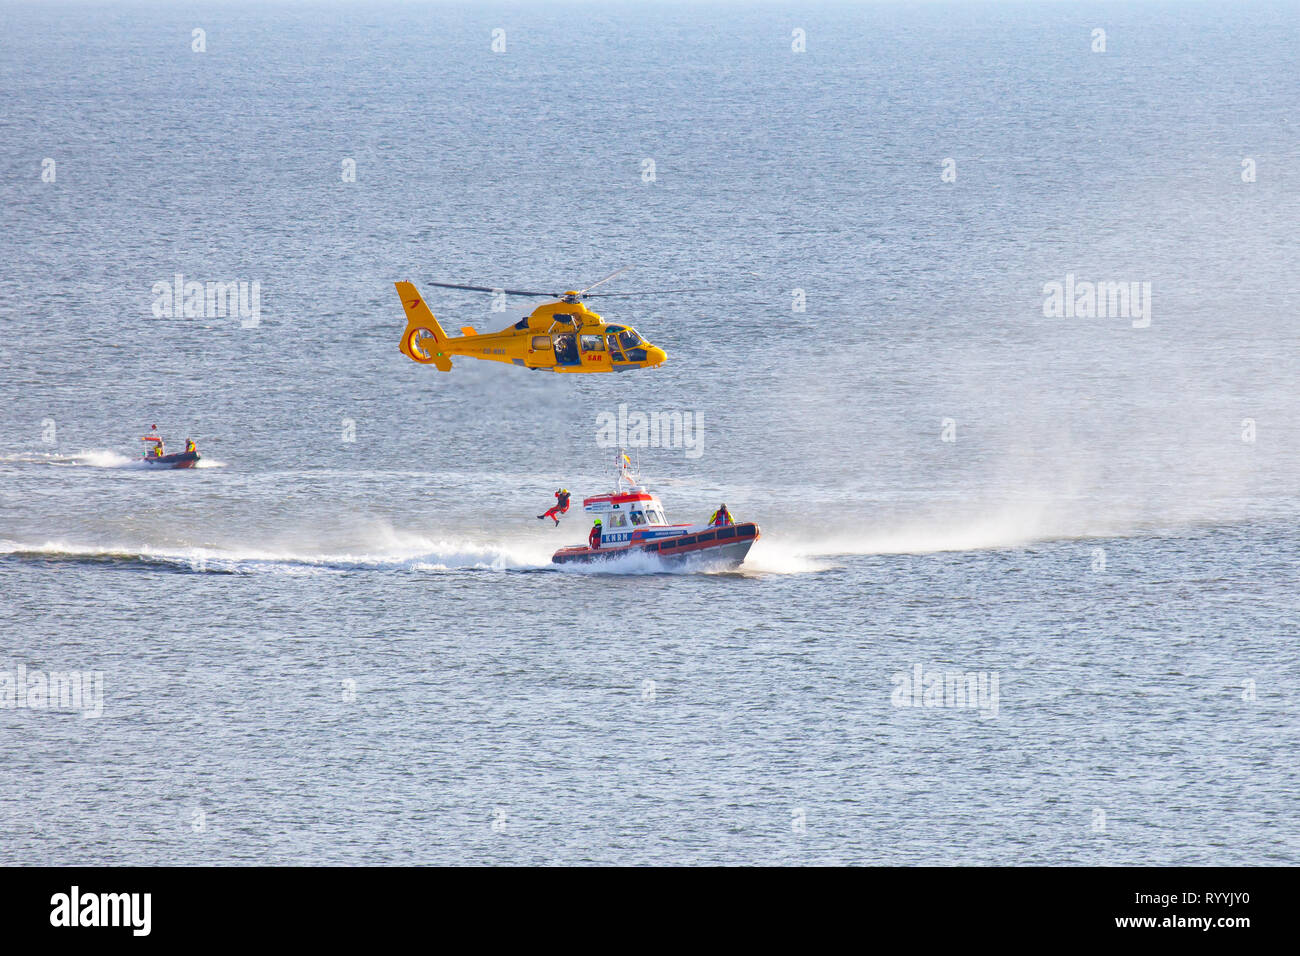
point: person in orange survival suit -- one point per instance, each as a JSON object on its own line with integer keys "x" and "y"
{"x": 561, "y": 506}
{"x": 593, "y": 539}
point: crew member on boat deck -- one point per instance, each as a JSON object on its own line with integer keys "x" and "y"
{"x": 593, "y": 539}
{"x": 158, "y": 448}
{"x": 189, "y": 445}
{"x": 721, "y": 516}
{"x": 561, "y": 506}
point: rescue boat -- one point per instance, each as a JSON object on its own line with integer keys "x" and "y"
{"x": 632, "y": 521}
{"x": 182, "y": 459}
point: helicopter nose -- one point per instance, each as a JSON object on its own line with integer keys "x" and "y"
{"x": 656, "y": 355}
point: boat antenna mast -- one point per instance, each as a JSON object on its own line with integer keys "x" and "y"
{"x": 623, "y": 470}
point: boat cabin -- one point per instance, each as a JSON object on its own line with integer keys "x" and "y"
{"x": 630, "y": 514}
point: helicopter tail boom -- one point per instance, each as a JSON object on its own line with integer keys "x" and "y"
{"x": 424, "y": 341}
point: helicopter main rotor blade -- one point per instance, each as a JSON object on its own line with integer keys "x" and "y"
{"x": 480, "y": 288}
{"x": 604, "y": 280}
{"x": 610, "y": 295}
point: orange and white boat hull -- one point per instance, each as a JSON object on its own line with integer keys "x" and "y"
{"x": 724, "y": 546}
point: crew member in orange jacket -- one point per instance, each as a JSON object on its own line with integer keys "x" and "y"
{"x": 560, "y": 507}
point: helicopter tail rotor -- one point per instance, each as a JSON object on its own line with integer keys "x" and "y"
{"x": 423, "y": 339}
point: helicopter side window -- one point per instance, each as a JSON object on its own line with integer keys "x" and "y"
{"x": 566, "y": 350}
{"x": 541, "y": 342}
{"x": 637, "y": 517}
{"x": 612, "y": 342}
{"x": 629, "y": 338}
{"x": 592, "y": 343}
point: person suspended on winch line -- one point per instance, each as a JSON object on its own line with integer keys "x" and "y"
{"x": 560, "y": 507}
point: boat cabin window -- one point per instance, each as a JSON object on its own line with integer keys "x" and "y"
{"x": 616, "y": 519}
{"x": 629, "y": 338}
{"x": 593, "y": 343}
{"x": 637, "y": 517}
{"x": 541, "y": 342}
{"x": 653, "y": 516}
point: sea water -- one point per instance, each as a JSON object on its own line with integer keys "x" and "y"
{"x": 1026, "y": 590}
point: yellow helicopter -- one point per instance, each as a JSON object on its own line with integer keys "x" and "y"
{"x": 562, "y": 336}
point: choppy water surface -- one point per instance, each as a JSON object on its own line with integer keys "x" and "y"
{"x": 319, "y": 649}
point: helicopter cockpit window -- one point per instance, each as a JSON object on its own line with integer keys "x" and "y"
{"x": 613, "y": 345}
{"x": 593, "y": 343}
{"x": 629, "y": 338}
{"x": 637, "y": 517}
